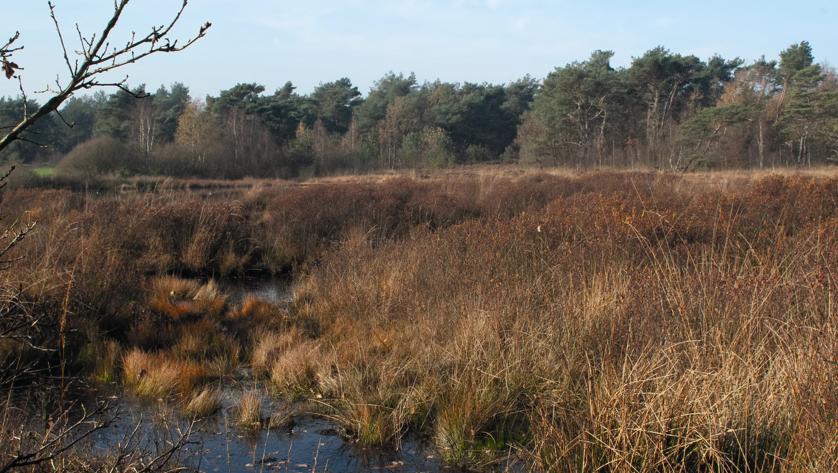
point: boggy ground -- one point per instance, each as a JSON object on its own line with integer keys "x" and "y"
{"x": 603, "y": 321}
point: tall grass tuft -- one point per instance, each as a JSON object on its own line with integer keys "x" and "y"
{"x": 249, "y": 410}
{"x": 156, "y": 375}
{"x": 203, "y": 404}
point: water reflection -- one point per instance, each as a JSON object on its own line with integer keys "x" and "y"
{"x": 309, "y": 444}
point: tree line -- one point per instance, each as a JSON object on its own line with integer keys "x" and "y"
{"x": 664, "y": 110}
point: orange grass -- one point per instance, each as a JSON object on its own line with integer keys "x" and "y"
{"x": 157, "y": 375}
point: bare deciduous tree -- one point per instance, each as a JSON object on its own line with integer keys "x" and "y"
{"x": 97, "y": 55}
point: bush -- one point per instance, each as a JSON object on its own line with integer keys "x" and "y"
{"x": 477, "y": 154}
{"x": 100, "y": 156}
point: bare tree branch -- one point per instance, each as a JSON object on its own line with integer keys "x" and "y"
{"x": 6, "y": 52}
{"x": 59, "y": 437}
{"x": 97, "y": 57}
{"x": 60, "y": 37}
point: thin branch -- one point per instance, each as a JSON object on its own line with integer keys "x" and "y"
{"x": 98, "y": 57}
{"x": 32, "y": 142}
{"x": 85, "y": 44}
{"x": 60, "y": 37}
{"x": 161, "y": 460}
{"x": 6, "y": 176}
{"x": 67, "y": 437}
{"x": 6, "y": 52}
{"x": 19, "y": 236}
{"x": 23, "y": 96}
{"x": 7, "y": 48}
{"x": 68, "y": 124}
{"x": 119, "y": 85}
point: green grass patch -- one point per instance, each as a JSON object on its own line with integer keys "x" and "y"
{"x": 45, "y": 171}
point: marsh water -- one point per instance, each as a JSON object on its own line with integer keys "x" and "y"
{"x": 305, "y": 444}
{"x": 300, "y": 443}
{"x": 274, "y": 290}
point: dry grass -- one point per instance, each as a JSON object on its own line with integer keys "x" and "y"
{"x": 205, "y": 339}
{"x": 270, "y": 346}
{"x": 294, "y": 370}
{"x": 180, "y": 299}
{"x": 254, "y": 314}
{"x": 660, "y": 327}
{"x": 597, "y": 321}
{"x": 203, "y": 404}
{"x": 249, "y": 410}
{"x": 158, "y": 375}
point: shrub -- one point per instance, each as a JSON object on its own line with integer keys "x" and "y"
{"x": 100, "y": 156}
{"x": 477, "y": 154}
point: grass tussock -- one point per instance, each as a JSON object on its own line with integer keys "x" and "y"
{"x": 156, "y": 375}
{"x": 249, "y": 410}
{"x": 179, "y": 298}
{"x": 203, "y": 404}
{"x": 294, "y": 369}
{"x": 270, "y": 346}
{"x": 254, "y": 314}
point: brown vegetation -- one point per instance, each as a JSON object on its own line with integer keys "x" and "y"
{"x": 206, "y": 403}
{"x": 157, "y": 375}
{"x": 626, "y": 321}
{"x": 249, "y": 410}
{"x": 644, "y": 322}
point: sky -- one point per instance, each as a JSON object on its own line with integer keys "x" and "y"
{"x": 498, "y": 41}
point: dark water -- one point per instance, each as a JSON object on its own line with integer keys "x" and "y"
{"x": 217, "y": 445}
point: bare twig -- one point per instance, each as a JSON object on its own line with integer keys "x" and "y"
{"x": 59, "y": 437}
{"x": 6, "y": 52}
{"x": 97, "y": 57}
{"x": 60, "y": 37}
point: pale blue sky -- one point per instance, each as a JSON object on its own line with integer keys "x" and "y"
{"x": 314, "y": 41}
